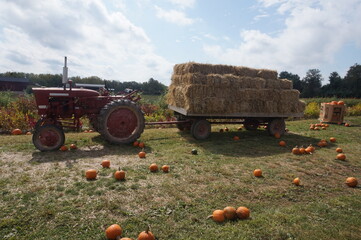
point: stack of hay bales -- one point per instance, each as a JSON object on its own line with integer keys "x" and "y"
{"x": 221, "y": 89}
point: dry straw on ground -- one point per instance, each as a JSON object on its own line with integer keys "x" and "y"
{"x": 223, "y": 89}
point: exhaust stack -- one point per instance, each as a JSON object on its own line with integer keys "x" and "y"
{"x": 65, "y": 72}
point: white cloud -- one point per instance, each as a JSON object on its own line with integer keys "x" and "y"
{"x": 312, "y": 36}
{"x": 173, "y": 16}
{"x": 183, "y": 3}
{"x": 34, "y": 37}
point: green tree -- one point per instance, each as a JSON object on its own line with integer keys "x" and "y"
{"x": 297, "y": 83}
{"x": 334, "y": 88}
{"x": 352, "y": 81}
{"x": 311, "y": 84}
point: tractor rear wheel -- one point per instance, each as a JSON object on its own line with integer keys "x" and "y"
{"x": 121, "y": 121}
{"x": 48, "y": 137}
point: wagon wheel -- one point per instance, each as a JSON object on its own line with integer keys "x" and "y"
{"x": 121, "y": 121}
{"x": 201, "y": 129}
{"x": 276, "y": 125}
{"x": 48, "y": 137}
{"x": 251, "y": 124}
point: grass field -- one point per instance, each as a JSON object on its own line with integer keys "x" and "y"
{"x": 46, "y": 196}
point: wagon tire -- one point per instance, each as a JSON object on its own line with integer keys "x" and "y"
{"x": 121, "y": 122}
{"x": 48, "y": 137}
{"x": 251, "y": 124}
{"x": 276, "y": 125}
{"x": 201, "y": 129}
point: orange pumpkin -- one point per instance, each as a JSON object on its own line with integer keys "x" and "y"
{"x": 153, "y": 167}
{"x": 230, "y": 213}
{"x": 347, "y": 124}
{"x": 332, "y": 139}
{"x": 73, "y": 146}
{"x": 165, "y": 168}
{"x": 91, "y": 174}
{"x": 236, "y": 138}
{"x": 243, "y": 212}
{"x": 296, "y": 150}
{"x": 351, "y": 182}
{"x": 302, "y": 150}
{"x": 16, "y": 131}
{"x": 340, "y": 103}
{"x": 119, "y": 175}
{"x": 141, "y": 154}
{"x": 63, "y": 148}
{"x": 310, "y": 149}
{"x": 113, "y": 231}
{"x": 339, "y": 150}
{"x": 226, "y": 129}
{"x": 240, "y": 128}
{"x": 282, "y": 143}
{"x": 296, "y": 181}
{"x": 334, "y": 102}
{"x": 136, "y": 144}
{"x": 218, "y": 216}
{"x": 105, "y": 164}
{"x": 146, "y": 235}
{"x": 277, "y": 135}
{"x": 257, "y": 173}
{"x": 28, "y": 133}
{"x": 341, "y": 156}
{"x": 141, "y": 145}
{"x": 125, "y": 238}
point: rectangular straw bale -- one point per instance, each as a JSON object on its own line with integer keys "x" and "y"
{"x": 289, "y": 96}
{"x": 246, "y": 72}
{"x": 273, "y": 83}
{"x": 298, "y": 107}
{"x": 271, "y": 106}
{"x": 267, "y": 74}
{"x": 286, "y": 84}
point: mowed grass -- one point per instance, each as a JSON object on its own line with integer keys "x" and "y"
{"x": 46, "y": 196}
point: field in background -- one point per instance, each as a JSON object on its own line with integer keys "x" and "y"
{"x": 45, "y": 195}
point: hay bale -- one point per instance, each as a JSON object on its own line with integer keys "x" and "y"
{"x": 285, "y": 84}
{"x": 267, "y": 74}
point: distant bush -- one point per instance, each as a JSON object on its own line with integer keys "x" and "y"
{"x": 312, "y": 110}
{"x": 350, "y": 102}
{"x": 354, "y": 110}
{"x": 19, "y": 112}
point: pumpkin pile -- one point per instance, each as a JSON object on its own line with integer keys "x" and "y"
{"x": 230, "y": 213}
{"x": 299, "y": 151}
{"x": 318, "y": 126}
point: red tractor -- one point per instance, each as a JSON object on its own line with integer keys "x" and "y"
{"x": 117, "y": 118}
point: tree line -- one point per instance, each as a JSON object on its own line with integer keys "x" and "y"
{"x": 151, "y": 87}
{"x": 310, "y": 86}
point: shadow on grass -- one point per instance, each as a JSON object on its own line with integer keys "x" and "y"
{"x": 101, "y": 149}
{"x": 251, "y": 144}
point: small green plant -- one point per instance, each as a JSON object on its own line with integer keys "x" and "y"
{"x": 312, "y": 110}
{"x": 355, "y": 110}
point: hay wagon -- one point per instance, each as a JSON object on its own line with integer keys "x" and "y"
{"x": 205, "y": 94}
{"x": 200, "y": 124}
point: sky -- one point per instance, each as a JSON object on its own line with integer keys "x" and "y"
{"x": 135, "y": 40}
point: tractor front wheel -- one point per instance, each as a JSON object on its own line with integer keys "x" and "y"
{"x": 48, "y": 137}
{"x": 121, "y": 121}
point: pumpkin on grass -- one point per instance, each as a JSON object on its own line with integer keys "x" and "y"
{"x": 119, "y": 175}
{"x": 236, "y": 138}
{"x": 282, "y": 143}
{"x": 296, "y": 150}
{"x": 351, "y": 182}
{"x": 217, "y": 216}
{"x": 63, "y": 148}
{"x": 146, "y": 235}
{"x": 310, "y": 149}
{"x": 141, "y": 145}
{"x": 16, "y": 131}
{"x": 257, "y": 173}
{"x": 113, "y": 232}
{"x": 341, "y": 156}
{"x": 73, "y": 146}
{"x": 125, "y": 238}
{"x": 105, "y": 164}
{"x": 165, "y": 168}
{"x": 339, "y": 150}
{"x": 230, "y": 213}
{"x": 332, "y": 139}
{"x": 302, "y": 150}
{"x": 296, "y": 181}
{"x": 91, "y": 174}
{"x": 141, "y": 154}
{"x": 153, "y": 167}
{"x": 243, "y": 212}
{"x": 277, "y": 135}
{"x": 136, "y": 144}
